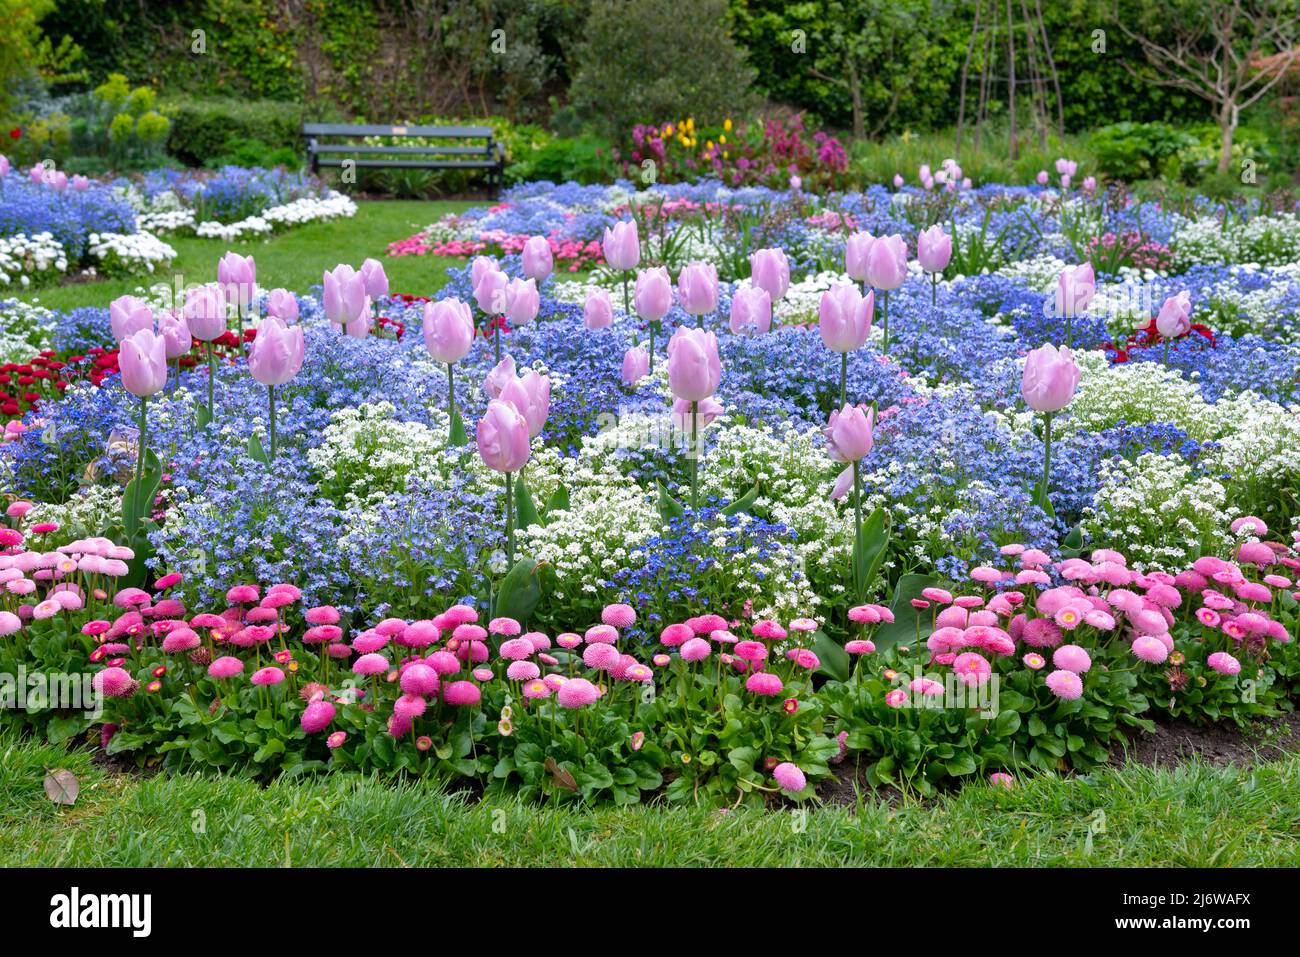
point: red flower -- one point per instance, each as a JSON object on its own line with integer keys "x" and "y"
{"x": 15, "y": 133}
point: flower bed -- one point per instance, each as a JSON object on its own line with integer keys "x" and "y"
{"x": 841, "y": 499}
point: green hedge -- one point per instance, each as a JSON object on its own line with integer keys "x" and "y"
{"x": 204, "y": 128}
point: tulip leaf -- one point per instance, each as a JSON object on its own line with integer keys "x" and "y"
{"x": 559, "y": 500}
{"x": 744, "y": 503}
{"x": 869, "y": 550}
{"x": 201, "y": 417}
{"x": 520, "y": 590}
{"x": 834, "y": 659}
{"x": 458, "y": 436}
{"x": 525, "y": 511}
{"x": 1072, "y": 544}
{"x": 255, "y": 450}
{"x": 669, "y": 507}
{"x": 906, "y": 617}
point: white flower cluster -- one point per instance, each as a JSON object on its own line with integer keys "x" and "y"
{"x": 1159, "y": 513}
{"x": 25, "y": 329}
{"x": 166, "y": 220}
{"x": 124, "y": 253}
{"x": 89, "y": 512}
{"x": 1261, "y": 240}
{"x": 25, "y": 259}
{"x": 1138, "y": 393}
{"x": 308, "y": 209}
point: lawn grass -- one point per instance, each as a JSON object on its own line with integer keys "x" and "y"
{"x": 1192, "y": 816}
{"x": 294, "y": 259}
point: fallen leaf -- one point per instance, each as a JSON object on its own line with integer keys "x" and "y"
{"x": 61, "y": 786}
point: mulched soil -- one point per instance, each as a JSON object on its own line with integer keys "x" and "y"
{"x": 1171, "y": 744}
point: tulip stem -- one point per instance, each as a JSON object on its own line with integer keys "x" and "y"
{"x": 844, "y": 379}
{"x": 884, "y": 321}
{"x": 1047, "y": 459}
{"x": 857, "y": 525}
{"x": 496, "y": 339}
{"x": 695, "y": 457}
{"x": 451, "y": 399}
{"x": 177, "y": 384}
{"x": 139, "y": 457}
{"x": 627, "y": 309}
{"x": 1166, "y": 355}
{"x": 651, "y": 351}
{"x": 510, "y": 523}
{"x": 934, "y": 289}
{"x": 212, "y": 378}
{"x": 270, "y": 393}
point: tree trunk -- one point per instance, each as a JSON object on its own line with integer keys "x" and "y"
{"x": 855, "y": 91}
{"x": 1228, "y": 127}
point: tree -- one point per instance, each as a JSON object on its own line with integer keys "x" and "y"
{"x": 1227, "y": 52}
{"x": 654, "y": 61}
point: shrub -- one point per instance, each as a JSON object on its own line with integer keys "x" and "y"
{"x": 204, "y": 128}
{"x": 643, "y": 60}
{"x": 1133, "y": 151}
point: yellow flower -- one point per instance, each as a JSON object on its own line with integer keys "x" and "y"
{"x": 709, "y": 145}
{"x": 668, "y": 130}
{"x": 726, "y": 124}
{"x": 722, "y": 139}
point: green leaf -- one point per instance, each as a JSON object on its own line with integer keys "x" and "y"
{"x": 520, "y": 590}
{"x": 834, "y": 659}
{"x": 525, "y": 511}
{"x": 961, "y": 764}
{"x": 457, "y": 436}
{"x": 669, "y": 507}
{"x": 255, "y": 450}
{"x": 201, "y": 417}
{"x": 559, "y": 500}
{"x": 744, "y": 503}
{"x": 906, "y": 618}
{"x": 869, "y": 550}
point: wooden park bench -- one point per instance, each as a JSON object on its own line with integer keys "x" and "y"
{"x": 466, "y": 147}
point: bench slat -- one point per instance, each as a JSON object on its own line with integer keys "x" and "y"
{"x": 404, "y": 150}
{"x": 344, "y": 129}
{"x": 412, "y": 164}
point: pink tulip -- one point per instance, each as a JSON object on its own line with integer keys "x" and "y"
{"x": 502, "y": 437}
{"x": 1074, "y": 290}
{"x": 887, "y": 262}
{"x": 36, "y": 174}
{"x": 654, "y": 294}
{"x": 849, "y": 433}
{"x": 706, "y": 409}
{"x": 490, "y": 292}
{"x": 277, "y": 352}
{"x": 1065, "y": 167}
{"x": 374, "y": 278}
{"x": 697, "y": 288}
{"x": 522, "y": 301}
{"x": 1051, "y": 378}
{"x": 480, "y": 265}
{"x": 205, "y": 312}
{"x": 448, "y": 330}
{"x": 856, "y": 250}
{"x": 344, "y": 299}
{"x": 751, "y": 311}
{"x": 142, "y": 358}
{"x": 176, "y": 334}
{"x": 1041, "y": 178}
{"x": 4, "y": 166}
{"x": 537, "y": 259}
{"x": 238, "y": 275}
{"x": 845, "y": 317}
{"x": 1090, "y": 184}
{"x": 934, "y": 249}
{"x": 598, "y": 310}
{"x": 770, "y": 271}
{"x": 79, "y": 183}
{"x": 57, "y": 180}
{"x": 636, "y": 365}
{"x": 128, "y": 315}
{"x": 500, "y": 374}
{"x": 898, "y": 181}
{"x": 694, "y": 369}
{"x": 621, "y": 246}
{"x": 531, "y": 395}
{"x": 1175, "y": 317}
{"x": 282, "y": 304}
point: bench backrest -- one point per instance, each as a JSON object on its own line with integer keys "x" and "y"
{"x": 348, "y": 129}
